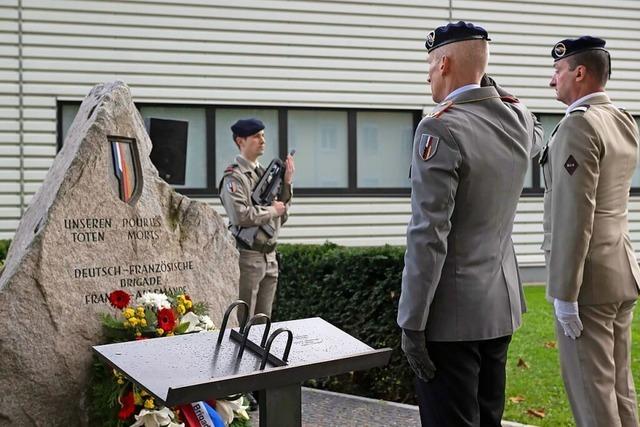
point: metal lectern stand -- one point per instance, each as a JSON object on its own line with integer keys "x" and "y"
{"x": 210, "y": 365}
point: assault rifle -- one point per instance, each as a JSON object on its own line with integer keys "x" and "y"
{"x": 269, "y": 186}
{"x": 265, "y": 193}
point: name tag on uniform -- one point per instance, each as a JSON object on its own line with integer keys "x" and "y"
{"x": 428, "y": 146}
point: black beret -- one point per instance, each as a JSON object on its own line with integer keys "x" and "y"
{"x": 247, "y": 127}
{"x": 568, "y": 47}
{"x": 451, "y": 33}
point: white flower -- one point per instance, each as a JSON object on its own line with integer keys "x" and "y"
{"x": 197, "y": 323}
{"x": 227, "y": 408}
{"x": 156, "y": 418}
{"x": 206, "y": 323}
{"x": 153, "y": 300}
{"x": 193, "y": 321}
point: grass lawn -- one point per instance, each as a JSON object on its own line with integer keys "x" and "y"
{"x": 534, "y": 383}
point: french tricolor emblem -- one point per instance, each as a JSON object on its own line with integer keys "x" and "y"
{"x": 428, "y": 146}
{"x": 126, "y": 167}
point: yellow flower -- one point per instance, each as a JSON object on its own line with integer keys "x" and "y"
{"x": 143, "y": 323}
{"x": 133, "y": 321}
{"x": 128, "y": 312}
{"x": 138, "y": 334}
{"x": 148, "y": 404}
{"x": 170, "y": 334}
{"x": 188, "y": 303}
{"x": 120, "y": 381}
{"x": 181, "y": 309}
{"x": 160, "y": 331}
{"x": 143, "y": 393}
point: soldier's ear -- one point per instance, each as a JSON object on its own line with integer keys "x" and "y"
{"x": 581, "y": 73}
{"x": 445, "y": 64}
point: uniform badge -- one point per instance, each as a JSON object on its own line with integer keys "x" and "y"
{"x": 571, "y": 165}
{"x": 231, "y": 186}
{"x": 560, "y": 49}
{"x": 428, "y": 146}
{"x": 431, "y": 38}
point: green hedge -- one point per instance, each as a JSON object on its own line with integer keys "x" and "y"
{"x": 4, "y": 247}
{"x": 357, "y": 290}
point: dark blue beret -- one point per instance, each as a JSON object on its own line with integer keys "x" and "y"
{"x": 247, "y": 127}
{"x": 451, "y": 33}
{"x": 568, "y": 47}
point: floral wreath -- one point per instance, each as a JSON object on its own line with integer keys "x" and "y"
{"x": 115, "y": 401}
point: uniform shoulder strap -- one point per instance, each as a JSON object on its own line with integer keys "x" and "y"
{"x": 510, "y": 99}
{"x": 440, "y": 109}
{"x": 580, "y": 109}
{"x": 625, "y": 112}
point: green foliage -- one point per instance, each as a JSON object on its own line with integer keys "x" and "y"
{"x": 200, "y": 308}
{"x": 357, "y": 290}
{"x": 4, "y": 248}
{"x": 103, "y": 397}
{"x": 237, "y": 422}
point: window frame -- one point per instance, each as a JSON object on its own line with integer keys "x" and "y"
{"x": 352, "y": 190}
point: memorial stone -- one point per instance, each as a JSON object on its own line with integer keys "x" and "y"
{"x": 102, "y": 220}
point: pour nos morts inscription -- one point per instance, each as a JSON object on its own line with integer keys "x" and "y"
{"x": 137, "y": 277}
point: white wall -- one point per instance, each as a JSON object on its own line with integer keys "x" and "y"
{"x": 327, "y": 53}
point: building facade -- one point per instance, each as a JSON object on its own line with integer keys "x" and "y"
{"x": 341, "y": 81}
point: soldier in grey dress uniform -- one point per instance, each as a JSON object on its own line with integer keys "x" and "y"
{"x": 592, "y": 271}
{"x": 258, "y": 263}
{"x": 461, "y": 293}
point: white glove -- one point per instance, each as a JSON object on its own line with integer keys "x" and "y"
{"x": 567, "y": 314}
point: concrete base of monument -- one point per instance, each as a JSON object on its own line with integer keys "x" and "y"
{"x": 320, "y": 408}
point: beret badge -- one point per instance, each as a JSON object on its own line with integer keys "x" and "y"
{"x": 560, "y": 49}
{"x": 431, "y": 37}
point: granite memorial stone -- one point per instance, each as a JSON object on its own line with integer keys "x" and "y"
{"x": 102, "y": 220}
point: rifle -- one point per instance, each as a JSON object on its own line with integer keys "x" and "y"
{"x": 269, "y": 186}
{"x": 265, "y": 192}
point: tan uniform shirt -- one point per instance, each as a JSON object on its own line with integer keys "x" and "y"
{"x": 238, "y": 183}
{"x": 587, "y": 169}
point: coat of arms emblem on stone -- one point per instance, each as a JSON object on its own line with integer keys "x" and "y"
{"x": 126, "y": 167}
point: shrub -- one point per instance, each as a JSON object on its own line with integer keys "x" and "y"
{"x": 357, "y": 290}
{"x": 4, "y": 248}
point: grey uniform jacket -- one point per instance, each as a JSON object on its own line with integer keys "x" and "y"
{"x": 237, "y": 185}
{"x": 587, "y": 169}
{"x": 460, "y": 281}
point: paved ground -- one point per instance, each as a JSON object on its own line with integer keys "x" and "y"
{"x": 324, "y": 408}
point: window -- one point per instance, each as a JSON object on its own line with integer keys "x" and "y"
{"x": 196, "y": 155}
{"x": 384, "y": 141}
{"x": 320, "y": 141}
{"x": 338, "y": 151}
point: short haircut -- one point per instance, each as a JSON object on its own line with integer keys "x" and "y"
{"x": 469, "y": 55}
{"x": 596, "y": 61}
